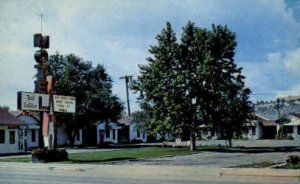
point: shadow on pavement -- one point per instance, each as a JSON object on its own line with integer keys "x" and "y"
{"x": 104, "y": 160}
{"x": 256, "y": 149}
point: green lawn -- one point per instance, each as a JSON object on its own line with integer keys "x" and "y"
{"x": 16, "y": 159}
{"x": 126, "y": 154}
{"x": 290, "y": 166}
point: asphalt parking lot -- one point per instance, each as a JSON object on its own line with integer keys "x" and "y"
{"x": 251, "y": 152}
{"x": 217, "y": 159}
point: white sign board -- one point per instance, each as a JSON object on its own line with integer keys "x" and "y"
{"x": 64, "y": 104}
{"x": 33, "y": 101}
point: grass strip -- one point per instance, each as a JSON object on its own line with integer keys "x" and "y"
{"x": 117, "y": 155}
{"x": 127, "y": 154}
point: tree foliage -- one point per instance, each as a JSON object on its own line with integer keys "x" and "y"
{"x": 194, "y": 81}
{"x": 4, "y": 107}
{"x": 91, "y": 86}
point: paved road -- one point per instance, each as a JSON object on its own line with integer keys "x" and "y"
{"x": 87, "y": 173}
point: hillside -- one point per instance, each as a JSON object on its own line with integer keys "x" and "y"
{"x": 269, "y": 109}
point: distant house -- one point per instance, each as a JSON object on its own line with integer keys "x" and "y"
{"x": 123, "y": 131}
{"x": 207, "y": 133}
{"x": 11, "y": 134}
{"x": 30, "y": 135}
{"x": 136, "y": 134}
{"x": 63, "y": 139}
{"x": 264, "y": 128}
{"x": 260, "y": 128}
{"x": 108, "y": 132}
{"x": 293, "y": 127}
{"x": 31, "y": 131}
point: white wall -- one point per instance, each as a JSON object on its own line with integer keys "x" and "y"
{"x": 31, "y": 144}
{"x": 133, "y": 133}
{"x": 295, "y": 132}
{"x": 76, "y": 140}
{"x": 62, "y": 137}
{"x": 7, "y": 147}
{"x": 112, "y": 130}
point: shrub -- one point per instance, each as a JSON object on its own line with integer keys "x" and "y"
{"x": 293, "y": 159}
{"x": 45, "y": 155}
{"x": 289, "y": 136}
{"x": 38, "y": 155}
{"x": 136, "y": 141}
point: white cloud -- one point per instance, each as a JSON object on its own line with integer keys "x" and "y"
{"x": 292, "y": 61}
{"x": 117, "y": 34}
{"x": 278, "y": 76}
{"x": 293, "y": 91}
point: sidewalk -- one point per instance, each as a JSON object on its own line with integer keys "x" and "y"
{"x": 262, "y": 172}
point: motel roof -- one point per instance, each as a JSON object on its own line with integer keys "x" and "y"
{"x": 8, "y": 119}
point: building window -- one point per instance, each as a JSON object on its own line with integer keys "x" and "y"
{"x": 2, "y": 136}
{"x": 289, "y": 129}
{"x": 12, "y": 137}
{"x": 33, "y": 135}
{"x": 138, "y": 133}
{"x": 114, "y": 134}
{"x": 78, "y": 135}
{"x": 298, "y": 130}
{"x": 253, "y": 131}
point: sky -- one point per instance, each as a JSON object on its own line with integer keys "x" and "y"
{"x": 118, "y": 34}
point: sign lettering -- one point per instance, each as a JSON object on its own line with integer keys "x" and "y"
{"x": 65, "y": 104}
{"x": 33, "y": 101}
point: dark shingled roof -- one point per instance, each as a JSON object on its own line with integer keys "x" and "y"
{"x": 8, "y": 119}
{"x": 126, "y": 120}
{"x": 268, "y": 123}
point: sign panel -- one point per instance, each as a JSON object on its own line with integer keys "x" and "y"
{"x": 64, "y": 104}
{"x": 33, "y": 101}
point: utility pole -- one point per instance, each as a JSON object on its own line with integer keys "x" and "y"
{"x": 127, "y": 78}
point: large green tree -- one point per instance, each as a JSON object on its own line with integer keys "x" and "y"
{"x": 194, "y": 81}
{"x": 91, "y": 86}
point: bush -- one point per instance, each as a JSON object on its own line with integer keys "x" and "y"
{"x": 38, "y": 155}
{"x": 45, "y": 155}
{"x": 136, "y": 141}
{"x": 293, "y": 159}
{"x": 289, "y": 136}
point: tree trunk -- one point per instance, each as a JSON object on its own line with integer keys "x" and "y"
{"x": 192, "y": 141}
{"x": 230, "y": 143}
{"x": 71, "y": 139}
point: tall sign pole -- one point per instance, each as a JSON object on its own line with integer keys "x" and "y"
{"x": 127, "y": 78}
{"x": 43, "y": 99}
{"x": 41, "y": 57}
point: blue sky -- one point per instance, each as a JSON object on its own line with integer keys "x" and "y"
{"x": 117, "y": 34}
